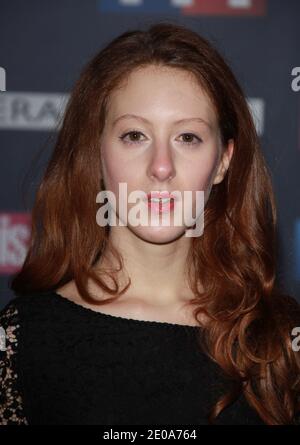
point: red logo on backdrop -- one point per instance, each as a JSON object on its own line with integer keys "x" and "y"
{"x": 14, "y": 238}
{"x": 226, "y": 7}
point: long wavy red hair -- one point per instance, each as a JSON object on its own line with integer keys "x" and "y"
{"x": 249, "y": 333}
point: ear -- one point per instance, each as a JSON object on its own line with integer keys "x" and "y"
{"x": 224, "y": 163}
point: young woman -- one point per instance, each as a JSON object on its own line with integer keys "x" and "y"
{"x": 142, "y": 324}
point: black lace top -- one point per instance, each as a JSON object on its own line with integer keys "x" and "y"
{"x": 66, "y": 364}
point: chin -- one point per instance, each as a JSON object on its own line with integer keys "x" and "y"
{"x": 158, "y": 235}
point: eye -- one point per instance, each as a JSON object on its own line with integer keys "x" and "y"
{"x": 131, "y": 133}
{"x": 135, "y": 134}
{"x": 190, "y": 137}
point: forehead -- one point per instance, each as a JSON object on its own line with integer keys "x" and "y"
{"x": 161, "y": 92}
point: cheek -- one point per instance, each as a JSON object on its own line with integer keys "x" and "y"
{"x": 201, "y": 176}
{"x": 202, "y": 167}
{"x": 115, "y": 171}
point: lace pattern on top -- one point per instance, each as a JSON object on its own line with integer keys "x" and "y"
{"x": 11, "y": 405}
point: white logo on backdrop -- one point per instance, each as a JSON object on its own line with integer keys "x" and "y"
{"x": 32, "y": 111}
{"x": 44, "y": 111}
{"x": 257, "y": 108}
{"x": 182, "y": 3}
{"x": 14, "y": 236}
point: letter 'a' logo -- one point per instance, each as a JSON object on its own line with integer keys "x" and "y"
{"x": 2, "y": 339}
{"x": 2, "y": 79}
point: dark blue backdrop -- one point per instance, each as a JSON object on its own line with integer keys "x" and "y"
{"x": 44, "y": 45}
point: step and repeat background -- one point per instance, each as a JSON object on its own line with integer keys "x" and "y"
{"x": 44, "y": 44}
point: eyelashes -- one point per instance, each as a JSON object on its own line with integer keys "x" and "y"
{"x": 135, "y": 132}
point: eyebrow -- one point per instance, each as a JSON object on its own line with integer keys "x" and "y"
{"x": 143, "y": 119}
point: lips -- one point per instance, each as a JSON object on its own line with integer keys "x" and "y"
{"x": 160, "y": 195}
{"x": 160, "y": 206}
{"x": 161, "y": 202}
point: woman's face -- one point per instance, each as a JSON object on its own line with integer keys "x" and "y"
{"x": 153, "y": 151}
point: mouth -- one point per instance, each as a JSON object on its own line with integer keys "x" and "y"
{"x": 160, "y": 195}
{"x": 161, "y": 205}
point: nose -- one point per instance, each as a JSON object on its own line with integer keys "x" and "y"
{"x": 161, "y": 166}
